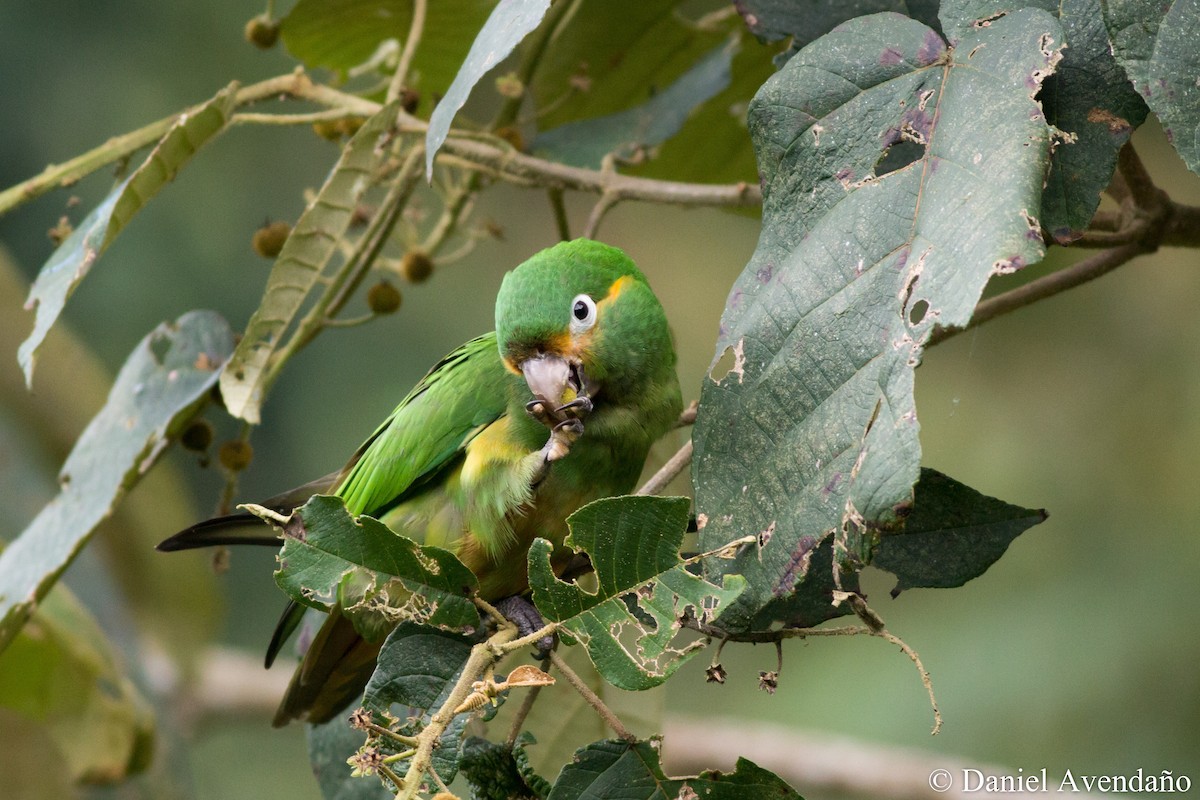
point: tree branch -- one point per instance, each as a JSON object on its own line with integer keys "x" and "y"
{"x": 415, "y": 30}
{"x": 585, "y": 691}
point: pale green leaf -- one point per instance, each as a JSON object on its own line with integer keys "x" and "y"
{"x": 633, "y": 543}
{"x": 78, "y": 253}
{"x": 587, "y": 142}
{"x": 892, "y": 193}
{"x": 166, "y": 377}
{"x": 62, "y": 673}
{"x": 301, "y": 264}
{"x": 509, "y": 23}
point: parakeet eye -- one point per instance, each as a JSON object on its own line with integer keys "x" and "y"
{"x": 583, "y": 313}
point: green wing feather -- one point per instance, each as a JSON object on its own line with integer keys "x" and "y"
{"x": 461, "y": 395}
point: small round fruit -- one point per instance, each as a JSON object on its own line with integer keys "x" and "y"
{"x": 383, "y": 298}
{"x": 262, "y": 32}
{"x": 197, "y": 436}
{"x": 268, "y": 240}
{"x": 235, "y": 455}
{"x": 417, "y": 266}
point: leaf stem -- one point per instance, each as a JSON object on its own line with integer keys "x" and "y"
{"x": 585, "y": 691}
{"x": 559, "y": 208}
{"x": 526, "y": 706}
{"x": 415, "y": 31}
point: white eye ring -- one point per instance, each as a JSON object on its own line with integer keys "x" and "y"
{"x": 583, "y": 313}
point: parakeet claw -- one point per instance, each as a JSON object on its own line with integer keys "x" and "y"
{"x": 564, "y": 434}
{"x": 578, "y": 408}
{"x": 537, "y": 409}
{"x": 525, "y": 616}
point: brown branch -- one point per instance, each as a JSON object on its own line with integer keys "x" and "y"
{"x": 585, "y": 691}
{"x": 675, "y": 465}
{"x": 1086, "y": 270}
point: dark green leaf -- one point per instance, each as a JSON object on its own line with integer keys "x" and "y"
{"x": 1088, "y": 98}
{"x": 805, "y": 21}
{"x": 509, "y": 23}
{"x": 500, "y": 772}
{"x": 891, "y": 196}
{"x": 632, "y": 771}
{"x": 1156, "y": 42}
{"x": 166, "y": 377}
{"x": 633, "y": 543}
{"x": 953, "y": 534}
{"x": 417, "y": 670}
{"x": 587, "y": 142}
{"x": 76, "y": 256}
{"x": 301, "y": 265}
{"x": 343, "y": 34}
{"x": 378, "y": 577}
{"x": 329, "y": 745}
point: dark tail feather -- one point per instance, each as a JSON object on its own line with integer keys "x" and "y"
{"x": 232, "y": 529}
{"x": 335, "y": 670}
{"x": 289, "y": 620}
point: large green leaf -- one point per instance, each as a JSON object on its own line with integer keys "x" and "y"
{"x": 62, "y": 674}
{"x": 166, "y": 377}
{"x": 633, "y": 543}
{"x": 586, "y": 142}
{"x": 632, "y": 771}
{"x": 1088, "y": 98}
{"x": 343, "y": 34}
{"x": 76, "y": 256}
{"x": 953, "y": 534}
{"x": 1156, "y": 42}
{"x": 301, "y": 265}
{"x": 378, "y": 577}
{"x": 509, "y": 23}
{"x": 805, "y": 21}
{"x": 898, "y": 177}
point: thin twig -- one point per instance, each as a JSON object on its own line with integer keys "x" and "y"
{"x": 926, "y": 681}
{"x": 255, "y": 118}
{"x": 1141, "y": 186}
{"x": 1086, "y": 270}
{"x": 585, "y": 691}
{"x": 605, "y": 204}
{"x": 415, "y": 30}
{"x": 559, "y": 208}
{"x": 688, "y": 415}
{"x": 675, "y": 465}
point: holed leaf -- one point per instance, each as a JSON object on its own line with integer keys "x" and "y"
{"x": 301, "y": 265}
{"x": 509, "y": 23}
{"x": 1156, "y": 43}
{"x": 502, "y": 772}
{"x": 1088, "y": 98}
{"x": 631, "y": 771}
{"x": 165, "y": 378}
{"x": 78, "y": 253}
{"x": 378, "y": 578}
{"x": 417, "y": 670}
{"x": 633, "y": 543}
{"x": 953, "y": 534}
{"x": 805, "y": 21}
{"x": 892, "y": 192}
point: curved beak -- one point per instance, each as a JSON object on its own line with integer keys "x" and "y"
{"x": 554, "y": 380}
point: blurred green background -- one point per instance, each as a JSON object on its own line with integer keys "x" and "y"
{"x": 1077, "y": 650}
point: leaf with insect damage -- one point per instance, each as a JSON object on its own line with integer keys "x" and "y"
{"x": 644, "y": 594}
{"x": 891, "y": 195}
{"x": 377, "y": 577}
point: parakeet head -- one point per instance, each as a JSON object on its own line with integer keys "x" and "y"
{"x": 579, "y": 317}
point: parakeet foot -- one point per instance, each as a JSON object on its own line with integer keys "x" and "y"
{"x": 576, "y": 409}
{"x": 520, "y": 612}
{"x": 537, "y": 409}
{"x": 564, "y": 434}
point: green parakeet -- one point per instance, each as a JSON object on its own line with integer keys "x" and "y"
{"x": 499, "y": 443}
